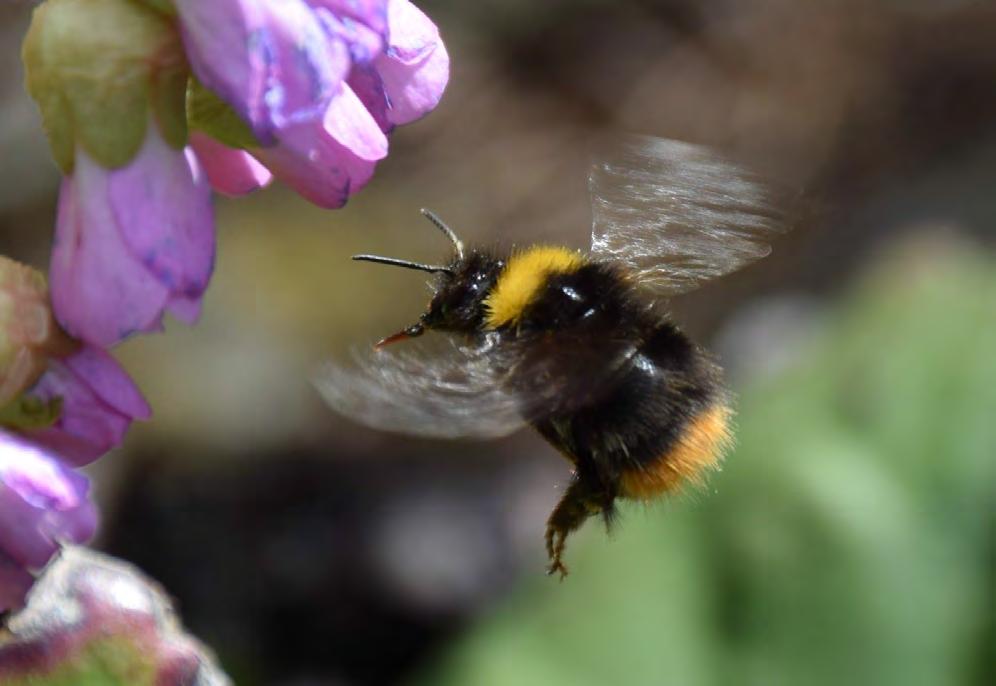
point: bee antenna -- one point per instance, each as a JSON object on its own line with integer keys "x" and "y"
{"x": 441, "y": 225}
{"x": 432, "y": 269}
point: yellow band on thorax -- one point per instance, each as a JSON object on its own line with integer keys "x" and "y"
{"x": 522, "y": 279}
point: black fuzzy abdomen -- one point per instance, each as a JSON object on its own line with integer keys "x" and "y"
{"x": 665, "y": 386}
{"x": 630, "y": 383}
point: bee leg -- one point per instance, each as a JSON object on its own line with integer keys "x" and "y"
{"x": 579, "y": 502}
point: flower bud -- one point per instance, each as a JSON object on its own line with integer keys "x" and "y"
{"x": 92, "y": 619}
{"x": 97, "y": 68}
{"x": 28, "y": 331}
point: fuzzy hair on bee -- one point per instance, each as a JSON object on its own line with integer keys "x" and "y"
{"x": 578, "y": 345}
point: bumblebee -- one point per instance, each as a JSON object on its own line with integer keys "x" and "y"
{"x": 579, "y": 345}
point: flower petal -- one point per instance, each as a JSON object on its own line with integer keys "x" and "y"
{"x": 109, "y": 381}
{"x": 365, "y": 81}
{"x": 41, "y": 502}
{"x": 273, "y": 62}
{"x": 85, "y": 434}
{"x": 99, "y": 402}
{"x": 318, "y": 168}
{"x": 352, "y": 125}
{"x": 81, "y": 439}
{"x": 20, "y": 537}
{"x": 186, "y": 310}
{"x": 416, "y": 67}
{"x": 162, "y": 207}
{"x": 307, "y": 64}
{"x": 412, "y": 34}
{"x": 373, "y": 13}
{"x": 231, "y": 172}
{"x": 100, "y": 292}
{"x": 317, "y": 164}
{"x": 222, "y": 45}
{"x": 15, "y": 582}
{"x": 364, "y": 42}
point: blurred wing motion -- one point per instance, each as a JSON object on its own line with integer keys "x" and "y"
{"x": 431, "y": 387}
{"x": 678, "y": 214}
{"x": 439, "y": 387}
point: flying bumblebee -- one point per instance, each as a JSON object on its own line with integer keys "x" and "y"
{"x": 579, "y": 345}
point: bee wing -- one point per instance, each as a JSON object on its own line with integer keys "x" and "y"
{"x": 678, "y": 214}
{"x": 434, "y": 387}
{"x": 439, "y": 387}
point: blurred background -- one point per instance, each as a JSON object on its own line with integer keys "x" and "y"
{"x": 850, "y": 538}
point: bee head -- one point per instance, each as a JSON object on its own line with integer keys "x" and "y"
{"x": 458, "y": 302}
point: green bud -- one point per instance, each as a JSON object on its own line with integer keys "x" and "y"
{"x": 212, "y": 115}
{"x": 96, "y": 68}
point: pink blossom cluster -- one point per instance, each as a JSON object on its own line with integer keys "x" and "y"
{"x": 187, "y": 97}
{"x": 319, "y": 84}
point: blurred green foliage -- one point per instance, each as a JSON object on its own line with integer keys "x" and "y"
{"x": 849, "y": 540}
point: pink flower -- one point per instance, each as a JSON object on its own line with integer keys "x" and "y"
{"x": 319, "y": 82}
{"x": 41, "y": 504}
{"x": 308, "y": 88}
{"x": 99, "y": 401}
{"x": 132, "y": 243}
